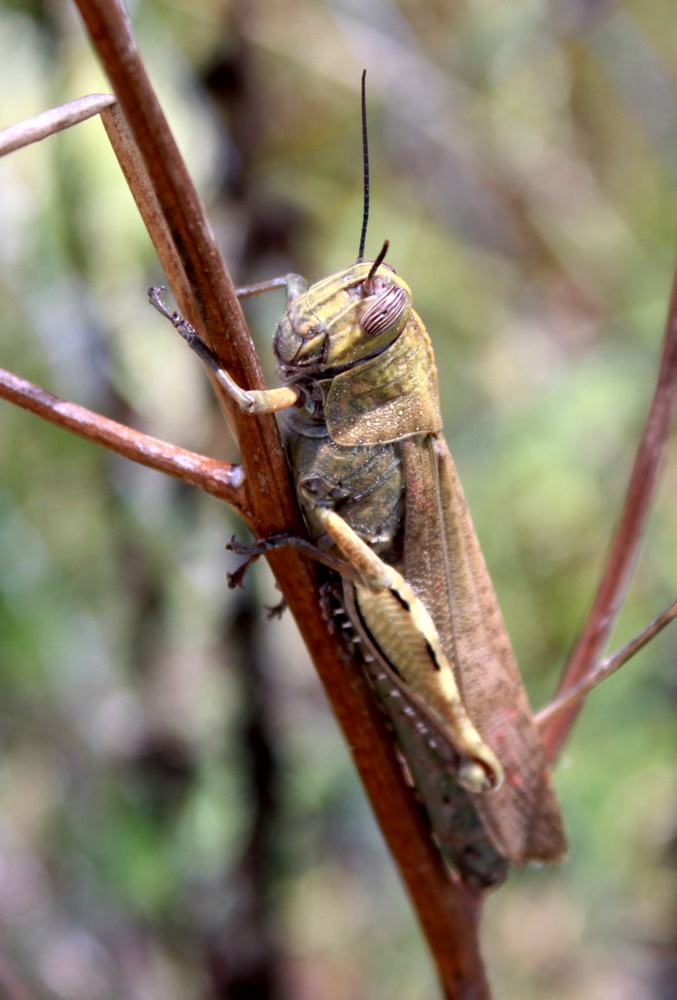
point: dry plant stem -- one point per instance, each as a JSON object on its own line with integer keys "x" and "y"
{"x": 50, "y": 122}
{"x": 448, "y": 913}
{"x": 625, "y": 546}
{"x": 218, "y": 478}
{"x": 606, "y": 668}
{"x": 141, "y": 187}
{"x": 211, "y": 300}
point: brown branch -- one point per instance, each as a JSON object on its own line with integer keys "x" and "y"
{"x": 606, "y": 668}
{"x": 50, "y": 122}
{"x": 448, "y": 913}
{"x": 143, "y": 192}
{"x": 218, "y": 478}
{"x": 624, "y": 550}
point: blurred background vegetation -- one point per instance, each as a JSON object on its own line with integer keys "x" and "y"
{"x": 178, "y": 816}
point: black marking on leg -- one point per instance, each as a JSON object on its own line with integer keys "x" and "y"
{"x": 433, "y": 657}
{"x": 398, "y": 597}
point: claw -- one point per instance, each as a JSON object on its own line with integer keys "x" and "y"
{"x": 236, "y": 578}
{"x": 276, "y": 610}
{"x": 238, "y": 547}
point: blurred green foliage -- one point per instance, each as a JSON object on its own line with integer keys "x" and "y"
{"x": 177, "y": 812}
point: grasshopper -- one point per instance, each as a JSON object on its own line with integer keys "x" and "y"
{"x": 385, "y": 511}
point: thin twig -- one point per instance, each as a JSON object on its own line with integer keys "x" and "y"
{"x": 606, "y": 668}
{"x": 50, "y": 122}
{"x": 220, "y": 479}
{"x": 625, "y": 546}
{"x": 143, "y": 192}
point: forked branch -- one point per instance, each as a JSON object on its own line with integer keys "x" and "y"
{"x": 573, "y": 696}
{"x": 626, "y": 542}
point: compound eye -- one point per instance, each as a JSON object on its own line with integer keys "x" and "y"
{"x": 385, "y": 313}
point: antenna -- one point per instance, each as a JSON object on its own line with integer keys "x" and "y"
{"x": 365, "y": 161}
{"x": 379, "y": 260}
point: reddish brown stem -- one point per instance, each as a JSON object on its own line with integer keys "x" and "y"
{"x": 218, "y": 478}
{"x": 606, "y": 668}
{"x": 143, "y": 192}
{"x": 625, "y": 546}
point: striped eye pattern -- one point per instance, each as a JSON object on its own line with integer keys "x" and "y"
{"x": 385, "y": 313}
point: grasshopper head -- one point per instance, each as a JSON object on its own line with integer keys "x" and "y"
{"x": 343, "y": 319}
